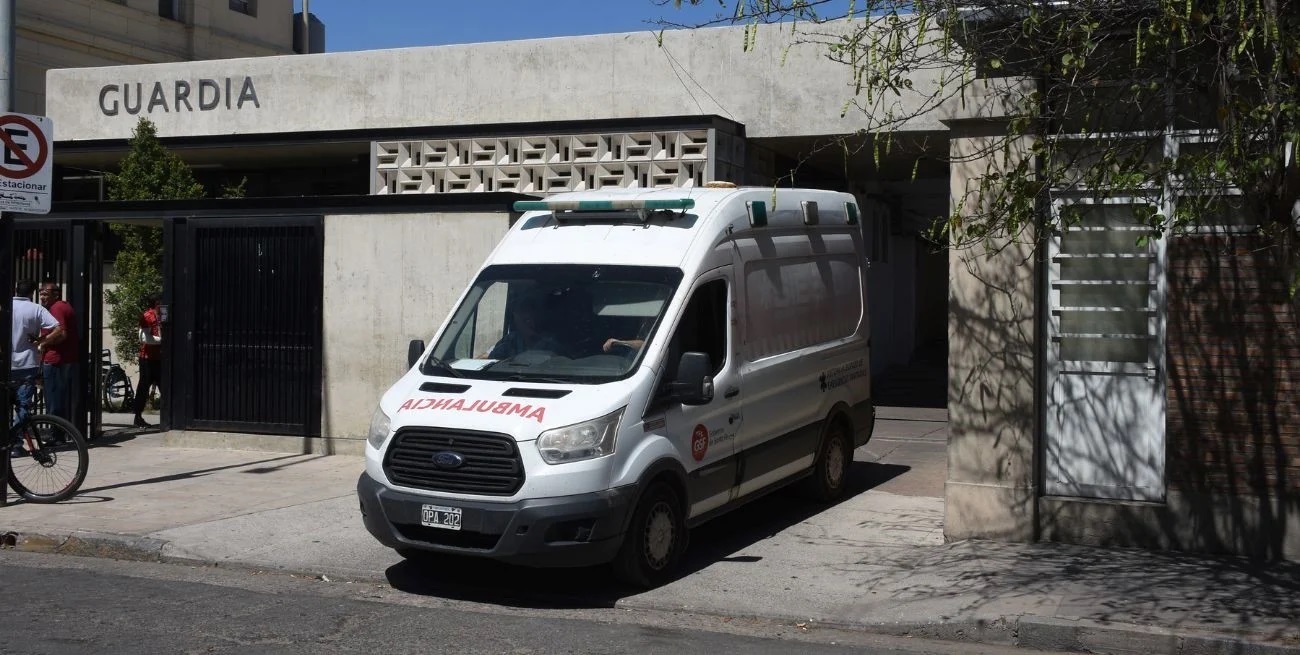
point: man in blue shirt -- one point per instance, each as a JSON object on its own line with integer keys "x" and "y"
{"x": 29, "y": 318}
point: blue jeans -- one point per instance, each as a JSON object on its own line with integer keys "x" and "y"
{"x": 60, "y": 380}
{"x": 25, "y": 391}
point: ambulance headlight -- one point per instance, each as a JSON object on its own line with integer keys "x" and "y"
{"x": 379, "y": 423}
{"x": 594, "y": 438}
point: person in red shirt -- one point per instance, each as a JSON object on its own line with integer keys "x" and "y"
{"x": 150, "y": 357}
{"x": 60, "y": 354}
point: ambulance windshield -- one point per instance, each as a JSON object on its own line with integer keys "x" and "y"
{"x": 561, "y": 323}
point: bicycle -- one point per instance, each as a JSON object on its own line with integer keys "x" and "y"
{"x": 118, "y": 395}
{"x": 48, "y": 455}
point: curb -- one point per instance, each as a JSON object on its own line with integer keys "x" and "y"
{"x": 87, "y": 544}
{"x": 1025, "y": 631}
{"x": 1053, "y": 634}
{"x": 121, "y": 547}
{"x": 992, "y": 632}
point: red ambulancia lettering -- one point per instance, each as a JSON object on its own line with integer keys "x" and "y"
{"x": 482, "y": 406}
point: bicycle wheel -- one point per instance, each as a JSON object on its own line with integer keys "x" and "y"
{"x": 49, "y": 459}
{"x": 118, "y": 396}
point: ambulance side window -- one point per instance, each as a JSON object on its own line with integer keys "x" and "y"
{"x": 703, "y": 328}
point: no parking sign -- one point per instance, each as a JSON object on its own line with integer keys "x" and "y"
{"x": 26, "y": 166}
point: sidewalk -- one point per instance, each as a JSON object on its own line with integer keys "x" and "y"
{"x": 876, "y": 561}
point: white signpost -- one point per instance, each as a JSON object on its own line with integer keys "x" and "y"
{"x": 27, "y": 163}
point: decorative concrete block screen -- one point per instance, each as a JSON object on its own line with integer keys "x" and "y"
{"x": 554, "y": 163}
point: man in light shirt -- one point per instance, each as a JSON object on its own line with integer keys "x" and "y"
{"x": 29, "y": 318}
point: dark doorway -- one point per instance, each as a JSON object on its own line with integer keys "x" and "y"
{"x": 246, "y": 338}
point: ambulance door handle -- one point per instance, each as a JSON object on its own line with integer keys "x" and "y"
{"x": 731, "y": 420}
{"x": 732, "y": 392}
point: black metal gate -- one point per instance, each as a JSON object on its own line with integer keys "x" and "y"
{"x": 64, "y": 252}
{"x": 246, "y": 340}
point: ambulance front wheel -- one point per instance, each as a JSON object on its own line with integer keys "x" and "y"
{"x": 655, "y": 540}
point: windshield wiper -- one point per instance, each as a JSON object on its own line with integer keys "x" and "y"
{"x": 433, "y": 363}
{"x": 536, "y": 378}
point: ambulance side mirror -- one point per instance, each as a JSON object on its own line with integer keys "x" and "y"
{"x": 413, "y": 352}
{"x": 694, "y": 385}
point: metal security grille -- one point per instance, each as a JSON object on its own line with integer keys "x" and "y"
{"x": 60, "y": 251}
{"x": 256, "y": 328}
{"x": 492, "y": 466}
{"x": 40, "y": 254}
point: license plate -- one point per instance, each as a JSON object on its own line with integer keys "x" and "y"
{"x": 437, "y": 516}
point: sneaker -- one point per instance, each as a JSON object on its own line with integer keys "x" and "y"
{"x": 141, "y": 423}
{"x": 17, "y": 451}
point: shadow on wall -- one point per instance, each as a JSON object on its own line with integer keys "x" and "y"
{"x": 1230, "y": 460}
{"x": 990, "y": 389}
{"x": 1234, "y": 411}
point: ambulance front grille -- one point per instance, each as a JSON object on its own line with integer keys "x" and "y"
{"x": 489, "y": 463}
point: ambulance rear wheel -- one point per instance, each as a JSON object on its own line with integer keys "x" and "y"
{"x": 831, "y": 468}
{"x": 655, "y": 539}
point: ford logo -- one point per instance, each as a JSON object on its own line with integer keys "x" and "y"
{"x": 448, "y": 460}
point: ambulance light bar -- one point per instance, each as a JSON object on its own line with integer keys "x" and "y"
{"x": 604, "y": 205}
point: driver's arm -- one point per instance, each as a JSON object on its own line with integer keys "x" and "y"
{"x": 634, "y": 344}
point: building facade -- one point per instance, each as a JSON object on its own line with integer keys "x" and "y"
{"x": 1114, "y": 391}
{"x": 421, "y": 122}
{"x": 53, "y": 34}
{"x": 1056, "y": 433}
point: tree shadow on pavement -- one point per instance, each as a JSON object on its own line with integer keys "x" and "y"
{"x": 192, "y": 474}
{"x": 486, "y": 581}
{"x": 1108, "y": 584}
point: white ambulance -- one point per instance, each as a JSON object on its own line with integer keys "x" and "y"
{"x": 626, "y": 365}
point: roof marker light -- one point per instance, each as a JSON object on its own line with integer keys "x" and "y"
{"x": 852, "y": 209}
{"x": 757, "y": 213}
{"x": 616, "y": 204}
{"x": 810, "y": 216}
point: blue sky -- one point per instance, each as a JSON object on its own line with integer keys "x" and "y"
{"x": 377, "y": 24}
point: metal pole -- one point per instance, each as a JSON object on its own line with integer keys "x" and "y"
{"x": 7, "y": 52}
{"x": 6, "y": 239}
{"x": 306, "y": 27}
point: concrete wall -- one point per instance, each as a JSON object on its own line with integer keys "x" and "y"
{"x": 389, "y": 279}
{"x": 991, "y": 419}
{"x": 53, "y": 34}
{"x": 992, "y": 423}
{"x": 772, "y": 90}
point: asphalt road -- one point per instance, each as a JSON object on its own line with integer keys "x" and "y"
{"x": 62, "y": 604}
